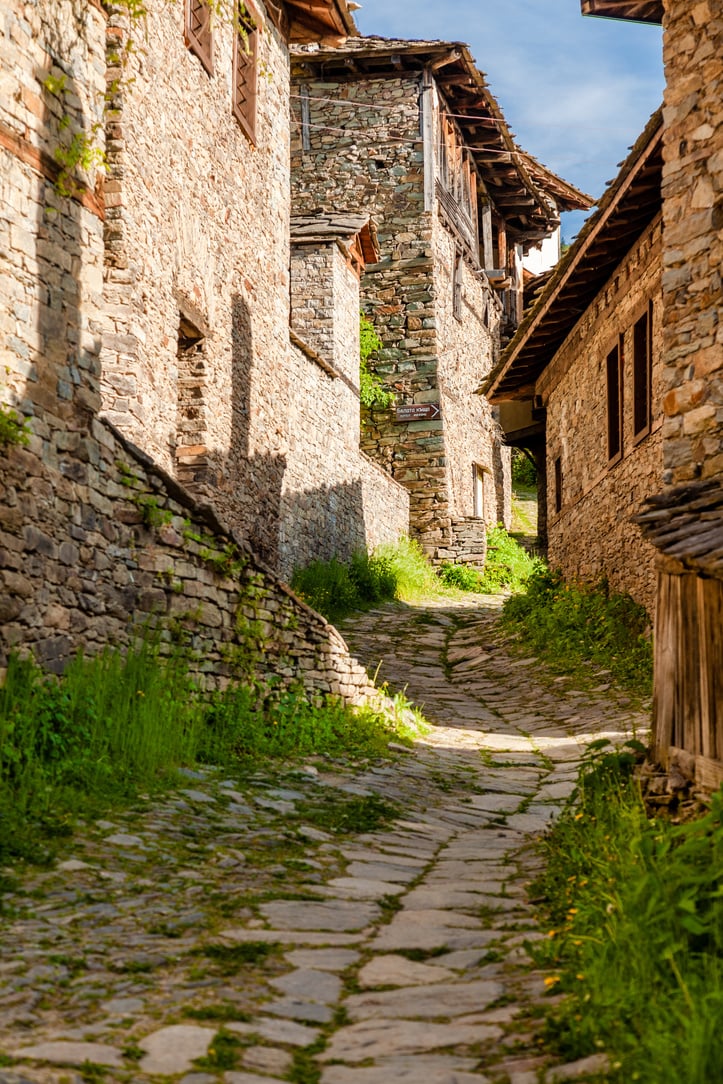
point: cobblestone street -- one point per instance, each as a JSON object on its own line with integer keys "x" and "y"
{"x": 387, "y": 955}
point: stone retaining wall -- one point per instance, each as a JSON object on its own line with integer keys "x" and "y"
{"x": 103, "y": 544}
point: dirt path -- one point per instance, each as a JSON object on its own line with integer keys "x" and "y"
{"x": 352, "y": 957}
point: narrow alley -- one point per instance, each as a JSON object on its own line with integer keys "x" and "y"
{"x": 243, "y": 929}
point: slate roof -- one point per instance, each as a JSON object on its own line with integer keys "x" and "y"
{"x": 328, "y": 226}
{"x": 639, "y": 11}
{"x": 528, "y": 195}
{"x": 626, "y": 208}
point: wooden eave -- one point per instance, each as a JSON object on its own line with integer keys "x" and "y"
{"x": 638, "y": 11}
{"x": 628, "y": 206}
{"x": 527, "y": 194}
{"x": 319, "y": 21}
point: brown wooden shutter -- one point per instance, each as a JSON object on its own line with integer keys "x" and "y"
{"x": 198, "y": 32}
{"x": 245, "y": 72}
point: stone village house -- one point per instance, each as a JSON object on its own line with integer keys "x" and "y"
{"x": 408, "y": 132}
{"x": 684, "y": 517}
{"x": 580, "y": 384}
{"x": 197, "y": 365}
{"x": 144, "y": 330}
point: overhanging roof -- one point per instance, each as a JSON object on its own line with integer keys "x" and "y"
{"x": 318, "y": 20}
{"x": 638, "y": 11}
{"x": 528, "y": 195}
{"x": 627, "y": 207}
{"x": 323, "y": 228}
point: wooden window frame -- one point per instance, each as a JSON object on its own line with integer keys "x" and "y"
{"x": 614, "y": 371}
{"x": 199, "y": 40}
{"x": 478, "y": 491}
{"x": 642, "y": 333}
{"x": 457, "y": 268}
{"x": 246, "y": 70}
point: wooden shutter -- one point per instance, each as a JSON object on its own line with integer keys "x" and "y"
{"x": 198, "y": 33}
{"x": 642, "y": 375}
{"x": 245, "y": 72}
{"x": 614, "y": 369}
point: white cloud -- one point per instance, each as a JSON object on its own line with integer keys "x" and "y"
{"x": 577, "y": 92}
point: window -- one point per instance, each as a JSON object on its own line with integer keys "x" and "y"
{"x": 197, "y": 31}
{"x": 191, "y": 432}
{"x": 558, "y": 484}
{"x": 614, "y": 367}
{"x": 478, "y": 492}
{"x": 245, "y": 71}
{"x": 642, "y": 373}
{"x": 457, "y": 285}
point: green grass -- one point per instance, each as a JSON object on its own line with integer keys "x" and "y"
{"x": 634, "y": 917}
{"x": 576, "y": 626}
{"x": 507, "y": 567}
{"x": 334, "y": 588}
{"x": 118, "y": 725}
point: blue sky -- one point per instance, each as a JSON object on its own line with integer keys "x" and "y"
{"x": 576, "y": 92}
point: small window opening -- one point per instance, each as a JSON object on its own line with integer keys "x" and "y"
{"x": 457, "y": 286}
{"x": 478, "y": 491}
{"x": 198, "y": 33}
{"x": 558, "y": 484}
{"x": 614, "y": 374}
{"x": 191, "y": 421}
{"x": 245, "y": 72}
{"x": 642, "y": 374}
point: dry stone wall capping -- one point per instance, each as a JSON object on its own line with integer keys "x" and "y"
{"x": 593, "y": 536}
{"x": 693, "y": 233}
{"x": 361, "y": 151}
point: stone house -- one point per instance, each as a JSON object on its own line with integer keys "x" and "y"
{"x": 105, "y": 289}
{"x": 684, "y": 519}
{"x": 197, "y": 366}
{"x": 580, "y": 384}
{"x": 409, "y": 133}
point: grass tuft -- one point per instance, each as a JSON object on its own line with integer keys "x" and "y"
{"x": 507, "y": 568}
{"x": 572, "y": 626}
{"x": 118, "y": 725}
{"x": 334, "y": 588}
{"x": 634, "y": 917}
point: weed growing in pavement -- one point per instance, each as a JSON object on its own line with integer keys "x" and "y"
{"x": 223, "y": 1053}
{"x": 344, "y": 814}
{"x": 224, "y": 1010}
{"x": 634, "y": 916}
{"x": 230, "y": 959}
{"x": 574, "y": 625}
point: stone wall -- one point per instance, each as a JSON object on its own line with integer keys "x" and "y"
{"x": 121, "y": 547}
{"x": 198, "y": 229}
{"x": 693, "y": 258}
{"x": 96, "y": 540}
{"x": 335, "y": 500}
{"x": 357, "y": 160}
{"x": 592, "y": 535}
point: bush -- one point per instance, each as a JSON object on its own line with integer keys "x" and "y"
{"x": 634, "y": 918}
{"x": 524, "y": 472}
{"x": 508, "y": 565}
{"x": 573, "y": 625}
{"x": 463, "y": 577}
{"x": 395, "y": 570}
